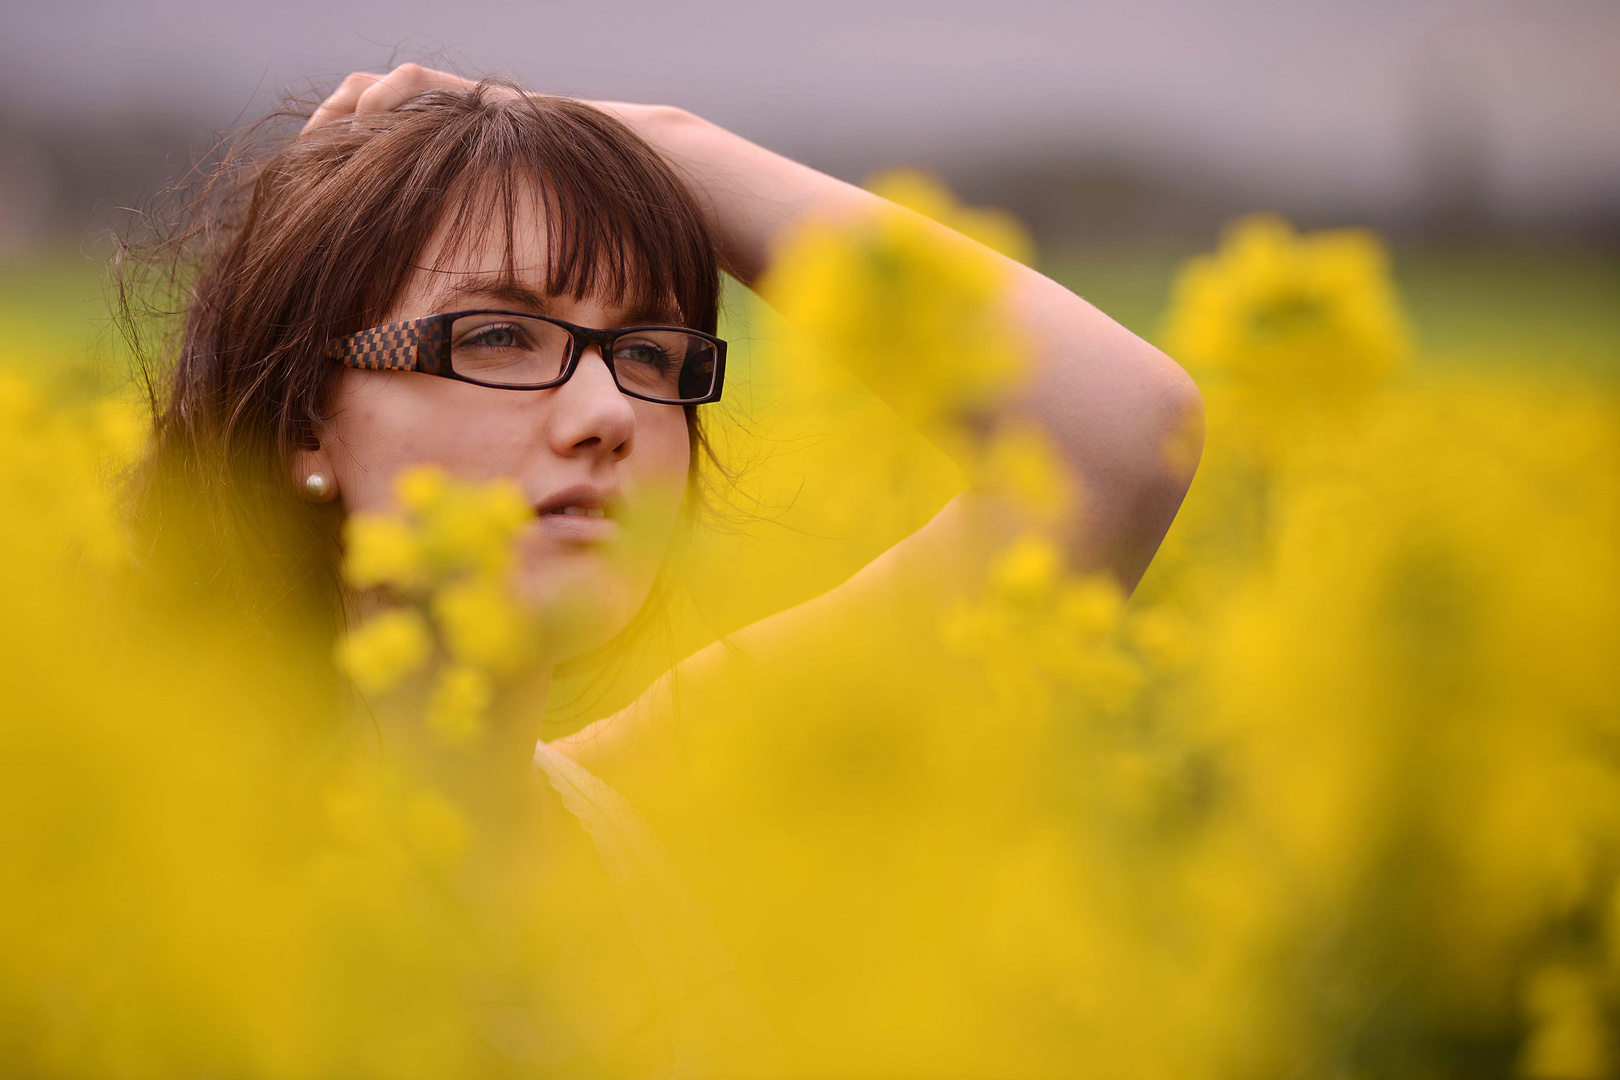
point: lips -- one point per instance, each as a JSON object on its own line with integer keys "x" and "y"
{"x": 580, "y": 514}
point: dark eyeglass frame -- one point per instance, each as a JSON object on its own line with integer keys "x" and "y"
{"x": 424, "y": 345}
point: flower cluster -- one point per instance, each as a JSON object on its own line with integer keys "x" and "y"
{"x": 1302, "y": 327}
{"x": 911, "y": 311}
{"x": 445, "y": 562}
{"x": 1333, "y": 793}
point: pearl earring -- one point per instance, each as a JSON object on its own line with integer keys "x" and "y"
{"x": 317, "y": 487}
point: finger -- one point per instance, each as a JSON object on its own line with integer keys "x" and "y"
{"x": 343, "y": 100}
{"x": 404, "y": 83}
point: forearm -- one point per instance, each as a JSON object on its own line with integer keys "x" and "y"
{"x": 754, "y": 198}
{"x": 1109, "y": 401}
{"x": 1125, "y": 417}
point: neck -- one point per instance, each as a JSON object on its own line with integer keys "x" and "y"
{"x": 516, "y": 720}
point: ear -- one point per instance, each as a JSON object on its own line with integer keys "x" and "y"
{"x": 316, "y": 462}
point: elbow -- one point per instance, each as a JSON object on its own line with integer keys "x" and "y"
{"x": 1159, "y": 429}
{"x": 1181, "y": 431}
{"x": 1167, "y": 456}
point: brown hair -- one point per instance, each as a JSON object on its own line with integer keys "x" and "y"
{"x": 281, "y": 248}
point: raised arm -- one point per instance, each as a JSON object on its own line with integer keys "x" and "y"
{"x": 1109, "y": 401}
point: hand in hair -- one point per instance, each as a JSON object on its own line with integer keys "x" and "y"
{"x": 367, "y": 92}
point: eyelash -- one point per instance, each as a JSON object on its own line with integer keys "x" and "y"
{"x": 473, "y": 337}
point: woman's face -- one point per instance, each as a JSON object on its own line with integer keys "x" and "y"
{"x": 582, "y": 446}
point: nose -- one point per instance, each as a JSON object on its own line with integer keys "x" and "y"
{"x": 590, "y": 415}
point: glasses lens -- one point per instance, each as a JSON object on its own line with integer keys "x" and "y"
{"x": 665, "y": 364}
{"x": 508, "y": 350}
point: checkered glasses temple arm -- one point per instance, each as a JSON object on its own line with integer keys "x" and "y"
{"x": 382, "y": 348}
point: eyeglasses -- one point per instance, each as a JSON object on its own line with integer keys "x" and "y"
{"x": 508, "y": 350}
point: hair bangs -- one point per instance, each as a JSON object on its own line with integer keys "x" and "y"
{"x": 617, "y": 224}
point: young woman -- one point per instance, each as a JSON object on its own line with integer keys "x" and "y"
{"x": 525, "y": 287}
{"x": 417, "y": 194}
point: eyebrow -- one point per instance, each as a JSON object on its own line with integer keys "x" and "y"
{"x": 504, "y": 289}
{"x": 497, "y": 287}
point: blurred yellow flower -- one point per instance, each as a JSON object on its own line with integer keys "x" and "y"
{"x": 384, "y": 649}
{"x": 1090, "y": 607}
{"x": 1333, "y": 793}
{"x": 472, "y": 525}
{"x": 449, "y": 549}
{"x": 927, "y": 195}
{"x": 1569, "y": 1039}
{"x": 1021, "y": 465}
{"x": 381, "y": 549}
{"x": 483, "y": 624}
{"x": 460, "y": 701}
{"x": 911, "y": 309}
{"x": 421, "y": 488}
{"x": 436, "y": 828}
{"x": 20, "y": 399}
{"x": 119, "y": 427}
{"x": 1028, "y": 570}
{"x": 1303, "y": 318}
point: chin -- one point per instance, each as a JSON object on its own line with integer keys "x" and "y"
{"x": 581, "y": 600}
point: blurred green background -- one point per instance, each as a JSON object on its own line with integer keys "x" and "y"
{"x": 1549, "y": 306}
{"x": 1482, "y": 139}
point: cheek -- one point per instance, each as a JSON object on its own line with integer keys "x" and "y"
{"x": 658, "y": 469}
{"x": 663, "y": 444}
{"x": 384, "y": 423}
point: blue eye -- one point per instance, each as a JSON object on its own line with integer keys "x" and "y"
{"x": 643, "y": 353}
{"x": 494, "y": 337}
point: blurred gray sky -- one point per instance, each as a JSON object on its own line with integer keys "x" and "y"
{"x": 1352, "y": 106}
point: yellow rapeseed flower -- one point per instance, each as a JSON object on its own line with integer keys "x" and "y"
{"x": 1295, "y": 317}
{"x": 1021, "y": 465}
{"x": 1355, "y": 729}
{"x": 1569, "y": 1039}
{"x": 384, "y": 649}
{"x": 472, "y": 525}
{"x": 1089, "y": 607}
{"x": 1028, "y": 570}
{"x": 436, "y": 828}
{"x": 381, "y": 549}
{"x": 927, "y": 195}
{"x": 459, "y": 704}
{"x": 421, "y": 488}
{"x": 483, "y": 624}
{"x": 913, "y": 311}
